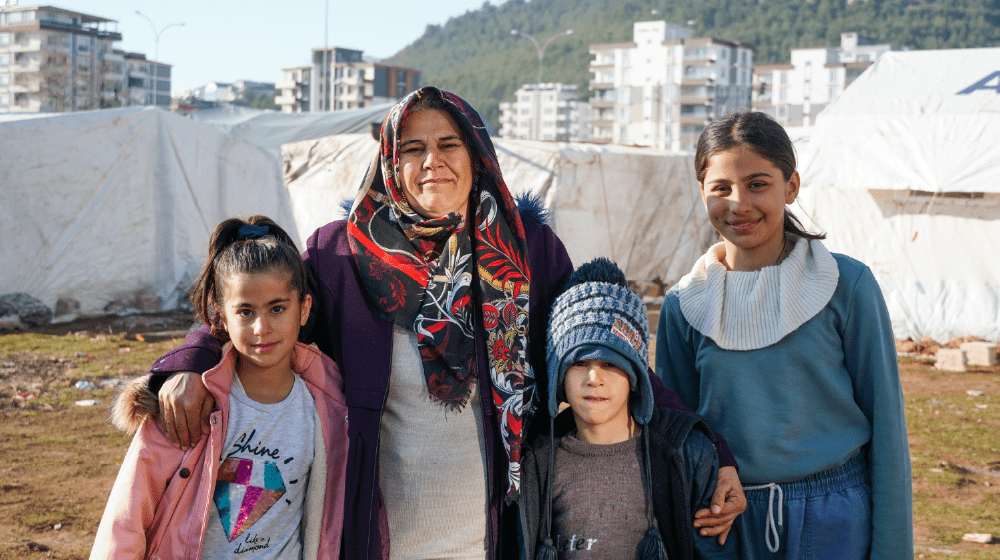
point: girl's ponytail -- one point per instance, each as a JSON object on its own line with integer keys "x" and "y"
{"x": 256, "y": 244}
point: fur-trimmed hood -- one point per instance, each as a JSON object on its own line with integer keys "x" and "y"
{"x": 134, "y": 404}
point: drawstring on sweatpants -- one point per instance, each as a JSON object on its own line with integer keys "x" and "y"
{"x": 771, "y": 529}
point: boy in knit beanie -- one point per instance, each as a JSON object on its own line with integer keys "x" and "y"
{"x": 614, "y": 477}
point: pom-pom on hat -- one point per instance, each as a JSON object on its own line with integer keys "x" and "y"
{"x": 598, "y": 318}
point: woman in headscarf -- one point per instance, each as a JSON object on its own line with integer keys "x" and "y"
{"x": 426, "y": 296}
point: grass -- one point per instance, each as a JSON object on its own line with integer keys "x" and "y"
{"x": 954, "y": 444}
{"x": 93, "y": 356}
{"x": 955, "y": 449}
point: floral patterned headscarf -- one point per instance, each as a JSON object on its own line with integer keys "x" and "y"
{"x": 441, "y": 277}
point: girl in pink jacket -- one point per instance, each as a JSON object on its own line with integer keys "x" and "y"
{"x": 268, "y": 482}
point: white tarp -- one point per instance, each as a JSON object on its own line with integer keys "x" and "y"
{"x": 902, "y": 173}
{"x": 269, "y": 129}
{"x": 636, "y": 206}
{"x": 103, "y": 205}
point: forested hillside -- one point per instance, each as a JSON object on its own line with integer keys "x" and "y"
{"x": 476, "y": 56}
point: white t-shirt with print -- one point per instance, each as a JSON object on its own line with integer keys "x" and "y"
{"x": 256, "y": 511}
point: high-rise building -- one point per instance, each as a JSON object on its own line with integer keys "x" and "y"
{"x": 796, "y": 92}
{"x": 551, "y": 111}
{"x": 294, "y": 96}
{"x": 340, "y": 78}
{"x": 664, "y": 86}
{"x": 147, "y": 82}
{"x": 55, "y": 60}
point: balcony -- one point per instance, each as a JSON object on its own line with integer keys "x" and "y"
{"x": 697, "y": 80}
{"x": 602, "y": 123}
{"x": 602, "y": 104}
{"x": 284, "y": 100}
{"x": 25, "y": 46}
{"x": 48, "y": 23}
{"x": 601, "y": 65}
{"x": 32, "y": 66}
{"x": 286, "y": 85}
{"x": 694, "y": 119}
{"x": 600, "y": 85}
{"x": 21, "y": 87}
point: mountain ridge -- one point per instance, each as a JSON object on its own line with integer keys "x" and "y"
{"x": 476, "y": 56}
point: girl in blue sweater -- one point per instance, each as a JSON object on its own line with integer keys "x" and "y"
{"x": 787, "y": 350}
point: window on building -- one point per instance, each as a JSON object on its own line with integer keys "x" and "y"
{"x": 625, "y": 57}
{"x": 4, "y": 100}
{"x": 4, "y": 60}
{"x": 4, "y": 39}
{"x": 4, "y": 80}
{"x": 548, "y": 110}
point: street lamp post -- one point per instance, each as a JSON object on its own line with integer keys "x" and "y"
{"x": 156, "y": 48}
{"x": 156, "y": 53}
{"x": 541, "y": 49}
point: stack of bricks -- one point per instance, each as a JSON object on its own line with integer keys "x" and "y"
{"x": 968, "y": 354}
{"x": 980, "y": 353}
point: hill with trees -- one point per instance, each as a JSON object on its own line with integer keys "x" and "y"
{"x": 476, "y": 56}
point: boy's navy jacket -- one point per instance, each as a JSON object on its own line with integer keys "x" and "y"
{"x": 345, "y": 327}
{"x": 684, "y": 469}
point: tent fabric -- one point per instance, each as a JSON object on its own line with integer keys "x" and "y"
{"x": 269, "y": 129}
{"x": 901, "y": 172}
{"x": 105, "y": 205}
{"x": 915, "y": 111}
{"x": 638, "y": 207}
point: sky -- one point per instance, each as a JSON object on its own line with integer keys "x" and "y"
{"x": 228, "y": 40}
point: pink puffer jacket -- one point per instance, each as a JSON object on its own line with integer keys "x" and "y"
{"x": 159, "y": 504}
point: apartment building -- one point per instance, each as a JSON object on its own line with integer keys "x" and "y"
{"x": 147, "y": 82}
{"x": 340, "y": 78}
{"x": 54, "y": 60}
{"x": 294, "y": 90}
{"x": 551, "y": 111}
{"x": 664, "y": 86}
{"x": 796, "y": 92}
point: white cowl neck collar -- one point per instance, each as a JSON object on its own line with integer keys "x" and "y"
{"x": 751, "y": 310}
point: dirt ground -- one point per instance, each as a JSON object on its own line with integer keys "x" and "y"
{"x": 58, "y": 459}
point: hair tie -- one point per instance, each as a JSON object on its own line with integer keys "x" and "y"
{"x": 252, "y": 231}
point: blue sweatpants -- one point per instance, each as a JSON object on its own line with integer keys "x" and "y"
{"x": 825, "y": 516}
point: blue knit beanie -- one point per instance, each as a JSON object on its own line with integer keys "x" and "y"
{"x": 598, "y": 318}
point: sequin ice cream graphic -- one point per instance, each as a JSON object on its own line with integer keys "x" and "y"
{"x": 244, "y": 490}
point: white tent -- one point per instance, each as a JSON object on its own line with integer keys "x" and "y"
{"x": 105, "y": 205}
{"x": 269, "y": 129}
{"x": 636, "y": 206}
{"x": 902, "y": 173}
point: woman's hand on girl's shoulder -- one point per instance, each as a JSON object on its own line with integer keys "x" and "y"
{"x": 185, "y": 405}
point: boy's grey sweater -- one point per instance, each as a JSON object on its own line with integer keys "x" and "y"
{"x": 684, "y": 467}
